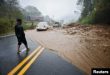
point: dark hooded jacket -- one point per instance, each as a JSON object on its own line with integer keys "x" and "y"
{"x": 19, "y": 32}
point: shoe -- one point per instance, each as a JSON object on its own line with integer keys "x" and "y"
{"x": 18, "y": 52}
{"x": 28, "y": 49}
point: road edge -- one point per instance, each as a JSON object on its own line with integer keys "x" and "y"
{"x": 7, "y": 35}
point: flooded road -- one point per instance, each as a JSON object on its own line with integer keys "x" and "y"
{"x": 38, "y": 61}
{"x": 81, "y": 47}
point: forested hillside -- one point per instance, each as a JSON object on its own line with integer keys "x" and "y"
{"x": 9, "y": 11}
{"x": 96, "y": 11}
{"x": 31, "y": 13}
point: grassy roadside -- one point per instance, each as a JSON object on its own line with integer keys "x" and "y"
{"x": 29, "y": 25}
{"x": 6, "y": 29}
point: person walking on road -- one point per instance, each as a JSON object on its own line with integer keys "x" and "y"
{"x": 19, "y": 32}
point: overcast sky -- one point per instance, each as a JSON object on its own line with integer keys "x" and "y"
{"x": 56, "y": 9}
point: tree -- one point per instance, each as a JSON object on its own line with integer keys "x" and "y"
{"x": 9, "y": 11}
{"x": 96, "y": 11}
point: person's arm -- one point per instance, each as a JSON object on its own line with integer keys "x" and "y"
{"x": 22, "y": 31}
{"x": 15, "y": 31}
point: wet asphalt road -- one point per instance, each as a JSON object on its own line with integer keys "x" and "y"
{"x": 48, "y": 63}
{"x": 8, "y": 53}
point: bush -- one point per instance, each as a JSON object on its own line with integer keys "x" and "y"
{"x": 29, "y": 25}
{"x": 88, "y": 19}
{"x": 100, "y": 13}
{"x": 5, "y": 25}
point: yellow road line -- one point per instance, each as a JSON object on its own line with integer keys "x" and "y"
{"x": 13, "y": 71}
{"x": 30, "y": 63}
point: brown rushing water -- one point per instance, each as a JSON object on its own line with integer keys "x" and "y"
{"x": 84, "y": 46}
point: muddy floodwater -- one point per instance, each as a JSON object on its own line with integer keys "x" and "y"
{"x": 84, "y": 46}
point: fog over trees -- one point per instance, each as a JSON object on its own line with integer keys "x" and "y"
{"x": 94, "y": 12}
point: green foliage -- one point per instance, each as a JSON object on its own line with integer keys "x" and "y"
{"x": 9, "y": 11}
{"x": 5, "y": 25}
{"x": 100, "y": 12}
{"x": 88, "y": 19}
{"x": 29, "y": 25}
{"x": 88, "y": 7}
